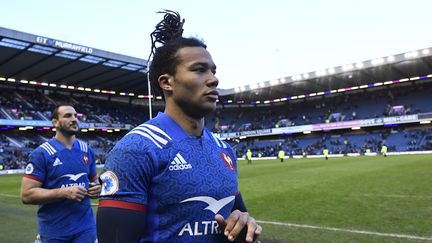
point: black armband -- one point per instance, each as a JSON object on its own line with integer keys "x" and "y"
{"x": 120, "y": 225}
{"x": 239, "y": 203}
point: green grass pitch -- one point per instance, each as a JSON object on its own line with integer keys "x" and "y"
{"x": 359, "y": 199}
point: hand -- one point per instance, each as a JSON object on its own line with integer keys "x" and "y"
{"x": 94, "y": 190}
{"x": 76, "y": 193}
{"x": 239, "y": 227}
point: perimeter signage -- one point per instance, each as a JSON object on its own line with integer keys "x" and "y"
{"x": 63, "y": 45}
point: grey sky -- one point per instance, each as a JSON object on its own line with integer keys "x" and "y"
{"x": 250, "y": 41}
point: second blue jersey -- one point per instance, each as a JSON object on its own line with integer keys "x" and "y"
{"x": 181, "y": 181}
{"x": 56, "y": 166}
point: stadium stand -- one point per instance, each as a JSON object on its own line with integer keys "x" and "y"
{"x": 347, "y": 109}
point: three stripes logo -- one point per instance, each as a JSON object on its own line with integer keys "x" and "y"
{"x": 57, "y": 162}
{"x": 179, "y": 163}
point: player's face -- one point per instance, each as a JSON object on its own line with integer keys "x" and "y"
{"x": 67, "y": 122}
{"x": 194, "y": 85}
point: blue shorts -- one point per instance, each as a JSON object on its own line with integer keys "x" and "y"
{"x": 87, "y": 236}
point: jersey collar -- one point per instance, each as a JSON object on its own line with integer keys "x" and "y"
{"x": 59, "y": 146}
{"x": 174, "y": 130}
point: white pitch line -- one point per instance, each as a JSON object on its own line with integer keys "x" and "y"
{"x": 17, "y": 196}
{"x": 9, "y": 195}
{"x": 411, "y": 237}
{"x": 399, "y": 196}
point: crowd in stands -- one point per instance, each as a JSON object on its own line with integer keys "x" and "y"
{"x": 36, "y": 104}
{"x": 102, "y": 146}
{"x": 12, "y": 157}
{"x": 14, "y": 149}
{"x": 395, "y": 140}
{"x": 362, "y": 104}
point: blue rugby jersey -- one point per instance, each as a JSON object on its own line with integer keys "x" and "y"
{"x": 56, "y": 166}
{"x": 181, "y": 181}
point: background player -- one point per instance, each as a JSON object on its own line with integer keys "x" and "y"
{"x": 61, "y": 177}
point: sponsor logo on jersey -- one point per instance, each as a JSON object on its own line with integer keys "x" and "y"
{"x": 213, "y": 205}
{"x": 73, "y": 177}
{"x": 85, "y": 159}
{"x": 29, "y": 168}
{"x": 227, "y": 161}
{"x": 200, "y": 228}
{"x": 57, "y": 162}
{"x": 205, "y": 227}
{"x": 110, "y": 183}
{"x": 179, "y": 163}
{"x": 81, "y": 184}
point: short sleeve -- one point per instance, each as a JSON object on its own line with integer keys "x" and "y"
{"x": 36, "y": 166}
{"x": 92, "y": 166}
{"x": 128, "y": 172}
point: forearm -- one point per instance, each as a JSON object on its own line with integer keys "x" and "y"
{"x": 42, "y": 195}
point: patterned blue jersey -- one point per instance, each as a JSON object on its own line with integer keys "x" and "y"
{"x": 181, "y": 181}
{"x": 56, "y": 166}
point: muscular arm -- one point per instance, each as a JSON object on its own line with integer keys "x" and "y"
{"x": 33, "y": 193}
{"x": 120, "y": 225}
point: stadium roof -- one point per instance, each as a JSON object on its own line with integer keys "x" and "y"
{"x": 54, "y": 62}
{"x": 49, "y": 62}
{"x": 410, "y": 66}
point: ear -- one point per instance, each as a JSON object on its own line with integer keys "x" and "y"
{"x": 166, "y": 82}
{"x": 54, "y": 122}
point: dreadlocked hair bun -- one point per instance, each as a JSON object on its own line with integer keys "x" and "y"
{"x": 169, "y": 28}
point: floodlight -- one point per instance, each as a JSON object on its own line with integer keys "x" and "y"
{"x": 331, "y": 70}
{"x": 274, "y": 82}
{"x": 347, "y": 67}
{"x": 390, "y": 58}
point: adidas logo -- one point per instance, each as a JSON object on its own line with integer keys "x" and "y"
{"x": 179, "y": 163}
{"x": 57, "y": 162}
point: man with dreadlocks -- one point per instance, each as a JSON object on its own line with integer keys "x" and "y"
{"x": 170, "y": 179}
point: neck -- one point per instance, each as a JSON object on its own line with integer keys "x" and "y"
{"x": 192, "y": 126}
{"x": 67, "y": 141}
